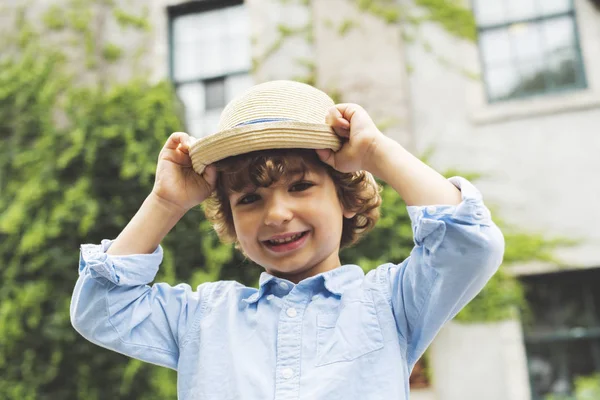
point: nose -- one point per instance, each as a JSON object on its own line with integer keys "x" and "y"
{"x": 277, "y": 212}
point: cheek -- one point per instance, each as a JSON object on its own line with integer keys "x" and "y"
{"x": 244, "y": 226}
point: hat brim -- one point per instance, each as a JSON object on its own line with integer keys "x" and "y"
{"x": 262, "y": 136}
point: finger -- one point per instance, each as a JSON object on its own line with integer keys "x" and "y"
{"x": 347, "y": 110}
{"x": 326, "y": 155}
{"x": 175, "y": 140}
{"x": 342, "y": 129}
{"x": 332, "y": 115}
{"x": 340, "y": 125}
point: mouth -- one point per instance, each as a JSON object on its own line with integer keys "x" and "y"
{"x": 287, "y": 244}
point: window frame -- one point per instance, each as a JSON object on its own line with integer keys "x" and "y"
{"x": 193, "y": 7}
{"x": 196, "y": 7}
{"x": 582, "y": 83}
{"x": 560, "y": 337}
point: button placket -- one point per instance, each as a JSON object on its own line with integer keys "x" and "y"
{"x": 289, "y": 349}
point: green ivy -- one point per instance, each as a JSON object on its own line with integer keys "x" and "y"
{"x": 586, "y": 388}
{"x": 451, "y": 15}
{"x": 53, "y": 18}
{"x": 388, "y": 10}
{"x": 112, "y": 52}
{"x": 126, "y": 20}
{"x": 346, "y": 26}
{"x": 77, "y": 162}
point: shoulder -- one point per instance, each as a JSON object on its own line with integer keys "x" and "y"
{"x": 220, "y": 291}
{"x": 379, "y": 278}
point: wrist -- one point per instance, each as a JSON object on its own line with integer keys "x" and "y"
{"x": 164, "y": 208}
{"x": 382, "y": 149}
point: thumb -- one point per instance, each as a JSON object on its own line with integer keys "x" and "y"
{"x": 327, "y": 156}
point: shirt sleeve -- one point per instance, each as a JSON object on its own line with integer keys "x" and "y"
{"x": 113, "y": 305}
{"x": 457, "y": 250}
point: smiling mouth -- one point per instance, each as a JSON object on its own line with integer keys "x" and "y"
{"x": 290, "y": 239}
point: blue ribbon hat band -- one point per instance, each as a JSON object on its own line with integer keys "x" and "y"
{"x": 261, "y": 120}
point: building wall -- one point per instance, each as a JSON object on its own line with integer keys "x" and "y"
{"x": 538, "y": 155}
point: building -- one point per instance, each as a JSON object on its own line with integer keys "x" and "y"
{"x": 521, "y": 105}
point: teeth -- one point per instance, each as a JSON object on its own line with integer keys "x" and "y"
{"x": 287, "y": 240}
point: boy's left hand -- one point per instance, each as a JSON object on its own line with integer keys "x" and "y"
{"x": 361, "y": 138}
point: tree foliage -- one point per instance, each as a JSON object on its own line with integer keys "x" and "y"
{"x": 76, "y": 163}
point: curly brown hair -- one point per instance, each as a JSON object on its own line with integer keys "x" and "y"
{"x": 358, "y": 191}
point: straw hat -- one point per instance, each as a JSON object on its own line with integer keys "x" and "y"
{"x": 272, "y": 115}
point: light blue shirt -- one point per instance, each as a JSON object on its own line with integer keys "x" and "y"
{"x": 338, "y": 335}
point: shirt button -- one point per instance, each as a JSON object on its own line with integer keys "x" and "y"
{"x": 315, "y": 297}
{"x": 431, "y": 210}
{"x": 283, "y": 285}
{"x": 287, "y": 373}
{"x": 291, "y": 312}
{"x": 270, "y": 297}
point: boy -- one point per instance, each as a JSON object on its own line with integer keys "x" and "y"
{"x": 288, "y": 180}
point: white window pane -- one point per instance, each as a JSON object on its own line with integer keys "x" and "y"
{"x": 185, "y": 28}
{"x": 526, "y": 40}
{"x": 210, "y": 121}
{"x": 236, "y": 84}
{"x": 559, "y": 34}
{"x": 501, "y": 81}
{"x": 211, "y": 25}
{"x": 236, "y": 20}
{"x": 564, "y": 68}
{"x": 521, "y": 9}
{"x": 213, "y": 58}
{"x": 195, "y": 127}
{"x": 192, "y": 96}
{"x": 211, "y": 44}
{"x": 555, "y": 6}
{"x": 238, "y": 57}
{"x": 186, "y": 61}
{"x": 495, "y": 46}
{"x": 489, "y": 12}
{"x": 534, "y": 77}
{"x": 238, "y": 39}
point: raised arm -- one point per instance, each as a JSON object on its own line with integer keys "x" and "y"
{"x": 177, "y": 189}
{"x": 114, "y": 304}
{"x": 457, "y": 246}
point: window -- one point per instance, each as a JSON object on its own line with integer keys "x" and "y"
{"x": 528, "y": 47}
{"x": 562, "y": 331}
{"x": 210, "y": 58}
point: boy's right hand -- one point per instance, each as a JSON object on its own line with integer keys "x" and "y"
{"x": 176, "y": 182}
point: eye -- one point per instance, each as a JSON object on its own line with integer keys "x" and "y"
{"x": 301, "y": 186}
{"x": 248, "y": 199}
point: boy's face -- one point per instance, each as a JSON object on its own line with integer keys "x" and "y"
{"x": 302, "y": 211}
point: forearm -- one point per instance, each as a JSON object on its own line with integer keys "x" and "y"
{"x": 416, "y": 182}
{"x": 147, "y": 228}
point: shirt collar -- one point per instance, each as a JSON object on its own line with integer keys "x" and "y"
{"x": 337, "y": 281}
